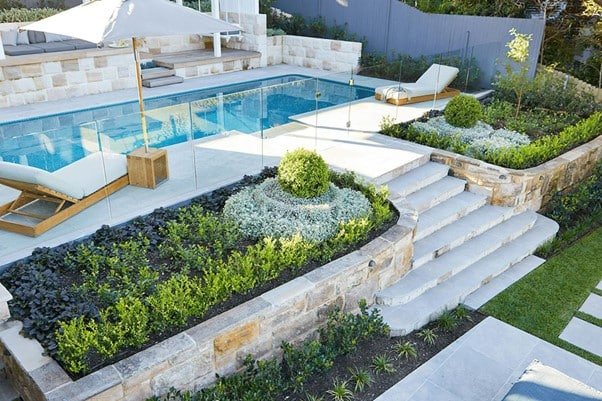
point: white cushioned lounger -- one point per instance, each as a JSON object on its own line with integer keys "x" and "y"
{"x": 434, "y": 81}
{"x": 50, "y": 198}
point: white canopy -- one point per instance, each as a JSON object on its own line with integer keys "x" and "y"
{"x": 104, "y": 21}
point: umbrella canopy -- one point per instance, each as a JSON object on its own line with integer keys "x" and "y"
{"x": 104, "y": 21}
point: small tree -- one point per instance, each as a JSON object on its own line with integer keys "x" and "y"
{"x": 518, "y": 52}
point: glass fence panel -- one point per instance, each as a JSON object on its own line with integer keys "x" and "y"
{"x": 226, "y": 137}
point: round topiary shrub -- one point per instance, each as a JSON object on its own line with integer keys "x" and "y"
{"x": 463, "y": 111}
{"x": 304, "y": 174}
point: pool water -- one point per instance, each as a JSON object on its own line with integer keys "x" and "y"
{"x": 54, "y": 141}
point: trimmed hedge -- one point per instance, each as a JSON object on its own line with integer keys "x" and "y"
{"x": 463, "y": 111}
{"x": 303, "y": 173}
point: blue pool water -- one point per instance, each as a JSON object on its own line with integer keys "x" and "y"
{"x": 54, "y": 141}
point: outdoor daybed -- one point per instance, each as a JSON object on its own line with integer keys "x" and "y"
{"x": 19, "y": 43}
{"x": 434, "y": 82}
{"x": 48, "y": 199}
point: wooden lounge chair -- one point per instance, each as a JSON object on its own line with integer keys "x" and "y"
{"x": 434, "y": 82}
{"x": 48, "y": 199}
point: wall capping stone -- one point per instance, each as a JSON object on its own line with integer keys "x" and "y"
{"x": 530, "y": 188}
{"x": 291, "y": 312}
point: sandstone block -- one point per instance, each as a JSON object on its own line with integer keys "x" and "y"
{"x": 70, "y": 65}
{"x": 235, "y": 338}
{"x": 51, "y": 67}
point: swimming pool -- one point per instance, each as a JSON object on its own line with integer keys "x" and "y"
{"x": 54, "y": 141}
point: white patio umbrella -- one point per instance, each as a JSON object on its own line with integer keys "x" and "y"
{"x": 105, "y": 21}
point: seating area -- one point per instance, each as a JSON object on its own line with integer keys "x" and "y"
{"x": 20, "y": 43}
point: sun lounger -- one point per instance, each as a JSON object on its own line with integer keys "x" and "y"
{"x": 434, "y": 82}
{"x": 47, "y": 199}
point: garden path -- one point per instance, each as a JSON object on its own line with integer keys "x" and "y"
{"x": 586, "y": 334}
{"x": 484, "y": 363}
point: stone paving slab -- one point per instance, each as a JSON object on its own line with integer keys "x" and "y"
{"x": 592, "y": 306}
{"x": 583, "y": 335}
{"x": 599, "y": 286}
{"x": 484, "y": 363}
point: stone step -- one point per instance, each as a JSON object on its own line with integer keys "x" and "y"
{"x": 425, "y": 277}
{"x": 410, "y": 316}
{"x": 447, "y": 212}
{"x": 481, "y": 296}
{"x": 462, "y": 230}
{"x": 418, "y": 178}
{"x": 156, "y": 72}
{"x": 434, "y": 194}
{"x": 416, "y": 159}
{"x": 156, "y": 82}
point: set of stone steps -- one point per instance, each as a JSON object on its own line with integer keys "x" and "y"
{"x": 159, "y": 76}
{"x": 461, "y": 243}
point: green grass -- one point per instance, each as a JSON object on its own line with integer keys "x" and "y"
{"x": 543, "y": 302}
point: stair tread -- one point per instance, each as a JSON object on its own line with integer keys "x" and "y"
{"x": 453, "y": 235}
{"x": 447, "y": 212}
{"x": 154, "y": 82}
{"x": 435, "y": 193}
{"x": 409, "y": 316}
{"x": 156, "y": 72}
{"x": 482, "y": 295}
{"x": 429, "y": 275}
{"x": 418, "y": 178}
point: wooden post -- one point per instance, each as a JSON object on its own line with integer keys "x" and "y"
{"x": 140, "y": 96}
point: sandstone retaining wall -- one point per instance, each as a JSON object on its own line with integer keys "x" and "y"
{"x": 579, "y": 84}
{"x": 531, "y": 188}
{"x": 191, "y": 359}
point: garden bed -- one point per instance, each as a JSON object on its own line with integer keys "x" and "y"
{"x": 105, "y": 290}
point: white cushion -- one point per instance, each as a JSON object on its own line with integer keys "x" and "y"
{"x": 9, "y": 38}
{"x": 438, "y": 77}
{"x": 385, "y": 90}
{"x": 22, "y": 38}
{"x": 36, "y": 176}
{"x": 94, "y": 171}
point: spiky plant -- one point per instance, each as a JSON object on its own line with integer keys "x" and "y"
{"x": 405, "y": 350}
{"x": 447, "y": 321}
{"x": 428, "y": 336}
{"x": 361, "y": 378}
{"x": 382, "y": 364}
{"x": 340, "y": 391}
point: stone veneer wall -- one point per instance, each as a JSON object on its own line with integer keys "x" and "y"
{"x": 253, "y": 37}
{"x": 291, "y": 312}
{"x": 525, "y": 189}
{"x": 323, "y": 54}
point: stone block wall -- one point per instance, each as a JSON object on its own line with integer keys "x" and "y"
{"x": 253, "y": 37}
{"x": 524, "y": 189}
{"x": 31, "y": 79}
{"x": 579, "y": 84}
{"x": 190, "y": 360}
{"x": 322, "y": 54}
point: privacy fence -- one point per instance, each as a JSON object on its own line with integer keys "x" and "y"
{"x": 392, "y": 27}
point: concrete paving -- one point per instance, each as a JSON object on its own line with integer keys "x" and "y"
{"x": 583, "y": 335}
{"x": 484, "y": 363}
{"x": 593, "y": 306}
{"x": 599, "y": 286}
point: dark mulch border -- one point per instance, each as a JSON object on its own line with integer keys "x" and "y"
{"x": 366, "y": 351}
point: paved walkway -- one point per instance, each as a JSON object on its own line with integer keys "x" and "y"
{"x": 483, "y": 364}
{"x": 583, "y": 334}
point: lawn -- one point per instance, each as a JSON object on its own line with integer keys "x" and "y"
{"x": 543, "y": 302}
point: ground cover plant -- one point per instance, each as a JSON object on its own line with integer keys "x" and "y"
{"x": 94, "y": 302}
{"x": 543, "y": 302}
{"x": 352, "y": 358}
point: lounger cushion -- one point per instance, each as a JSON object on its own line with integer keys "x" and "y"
{"x": 77, "y": 180}
{"x": 80, "y": 44}
{"x": 54, "y": 47}
{"x": 385, "y": 90}
{"x": 52, "y": 37}
{"x": 21, "y": 50}
{"x": 543, "y": 383}
{"x": 36, "y": 176}
{"x": 94, "y": 171}
{"x": 437, "y": 77}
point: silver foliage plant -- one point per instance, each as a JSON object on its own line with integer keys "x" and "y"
{"x": 267, "y": 210}
{"x": 481, "y": 137}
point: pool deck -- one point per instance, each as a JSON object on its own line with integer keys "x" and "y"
{"x": 203, "y": 165}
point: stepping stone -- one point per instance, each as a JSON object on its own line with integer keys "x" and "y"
{"x": 599, "y": 286}
{"x": 583, "y": 335}
{"x": 592, "y": 306}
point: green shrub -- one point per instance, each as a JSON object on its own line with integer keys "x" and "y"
{"x": 26, "y": 15}
{"x": 304, "y": 174}
{"x": 463, "y": 111}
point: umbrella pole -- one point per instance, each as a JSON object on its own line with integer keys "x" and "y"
{"x": 140, "y": 98}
